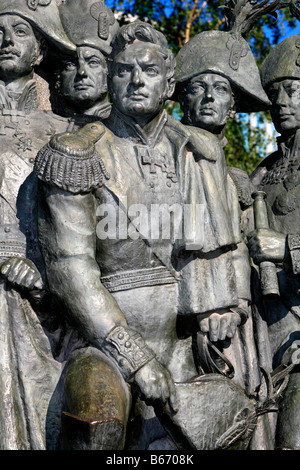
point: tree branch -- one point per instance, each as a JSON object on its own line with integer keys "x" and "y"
{"x": 192, "y": 16}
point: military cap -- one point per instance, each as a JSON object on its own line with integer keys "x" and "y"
{"x": 89, "y": 23}
{"x": 228, "y": 55}
{"x": 282, "y": 62}
{"x": 43, "y": 15}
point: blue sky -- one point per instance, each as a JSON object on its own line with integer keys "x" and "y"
{"x": 168, "y": 10}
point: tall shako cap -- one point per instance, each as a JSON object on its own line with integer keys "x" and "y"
{"x": 89, "y": 23}
{"x": 282, "y": 62}
{"x": 42, "y": 15}
{"x": 228, "y": 55}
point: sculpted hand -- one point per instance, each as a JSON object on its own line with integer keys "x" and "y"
{"x": 156, "y": 384}
{"x": 267, "y": 245}
{"x": 22, "y": 272}
{"x": 219, "y": 326}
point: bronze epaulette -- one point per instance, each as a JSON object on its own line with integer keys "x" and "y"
{"x": 71, "y": 162}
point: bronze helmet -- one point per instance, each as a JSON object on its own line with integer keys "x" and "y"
{"x": 43, "y": 15}
{"x": 282, "y": 62}
{"x": 228, "y": 55}
{"x": 89, "y": 23}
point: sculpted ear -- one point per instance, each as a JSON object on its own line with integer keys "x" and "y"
{"x": 170, "y": 88}
{"x": 41, "y": 52}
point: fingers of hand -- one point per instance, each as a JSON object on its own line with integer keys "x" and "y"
{"x": 220, "y": 327}
{"x": 156, "y": 384}
{"x": 17, "y": 271}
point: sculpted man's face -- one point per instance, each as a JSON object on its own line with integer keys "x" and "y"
{"x": 83, "y": 79}
{"x": 139, "y": 80}
{"x": 207, "y": 101}
{"x": 19, "y": 48}
{"x": 285, "y": 111}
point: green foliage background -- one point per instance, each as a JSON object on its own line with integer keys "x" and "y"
{"x": 180, "y": 20}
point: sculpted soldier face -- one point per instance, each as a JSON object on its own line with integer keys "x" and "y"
{"x": 83, "y": 79}
{"x": 19, "y": 48}
{"x": 285, "y": 110}
{"x": 207, "y": 101}
{"x": 139, "y": 83}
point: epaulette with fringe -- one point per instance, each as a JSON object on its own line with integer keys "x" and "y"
{"x": 244, "y": 186}
{"x": 70, "y": 162}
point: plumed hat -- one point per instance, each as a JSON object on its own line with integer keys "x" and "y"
{"x": 282, "y": 62}
{"x": 89, "y": 23}
{"x": 228, "y": 55}
{"x": 43, "y": 15}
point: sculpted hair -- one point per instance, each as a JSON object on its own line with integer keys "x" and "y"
{"x": 144, "y": 32}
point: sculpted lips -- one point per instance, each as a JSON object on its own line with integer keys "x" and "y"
{"x": 9, "y": 53}
{"x": 137, "y": 96}
{"x": 208, "y": 111}
{"x": 82, "y": 86}
{"x": 284, "y": 115}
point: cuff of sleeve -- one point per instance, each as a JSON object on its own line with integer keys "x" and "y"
{"x": 243, "y": 309}
{"x": 128, "y": 349}
{"x": 293, "y": 242}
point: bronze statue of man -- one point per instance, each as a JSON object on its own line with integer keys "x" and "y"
{"x": 81, "y": 85}
{"x": 212, "y": 84}
{"x": 209, "y": 89}
{"x": 116, "y": 265}
{"x": 278, "y": 177}
{"x": 29, "y": 374}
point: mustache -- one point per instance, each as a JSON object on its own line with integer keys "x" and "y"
{"x": 9, "y": 51}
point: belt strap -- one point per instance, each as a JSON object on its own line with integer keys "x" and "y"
{"x": 138, "y": 278}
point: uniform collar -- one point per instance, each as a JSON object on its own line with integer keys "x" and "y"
{"x": 25, "y": 101}
{"x": 289, "y": 145}
{"x": 121, "y": 124}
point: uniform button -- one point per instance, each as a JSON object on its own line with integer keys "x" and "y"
{"x": 152, "y": 185}
{"x": 169, "y": 184}
{"x": 120, "y": 336}
{"x": 31, "y": 160}
{"x": 128, "y": 344}
{"x": 7, "y": 229}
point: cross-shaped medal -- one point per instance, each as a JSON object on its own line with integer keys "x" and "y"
{"x": 151, "y": 157}
{"x": 13, "y": 113}
{"x": 148, "y": 159}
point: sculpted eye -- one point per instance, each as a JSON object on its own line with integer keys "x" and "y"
{"x": 197, "y": 88}
{"x": 20, "y": 32}
{"x": 94, "y": 63}
{"x": 292, "y": 91}
{"x": 123, "y": 70}
{"x": 221, "y": 89}
{"x": 69, "y": 66}
{"x": 152, "y": 71}
{"x": 272, "y": 95}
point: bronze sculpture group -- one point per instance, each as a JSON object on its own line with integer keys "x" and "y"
{"x": 132, "y": 309}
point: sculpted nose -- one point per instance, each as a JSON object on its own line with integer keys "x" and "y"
{"x": 7, "y": 38}
{"x": 81, "y": 71}
{"x": 209, "y": 94}
{"x": 282, "y": 98}
{"x": 137, "y": 78}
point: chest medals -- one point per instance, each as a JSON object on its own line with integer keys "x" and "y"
{"x": 283, "y": 182}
